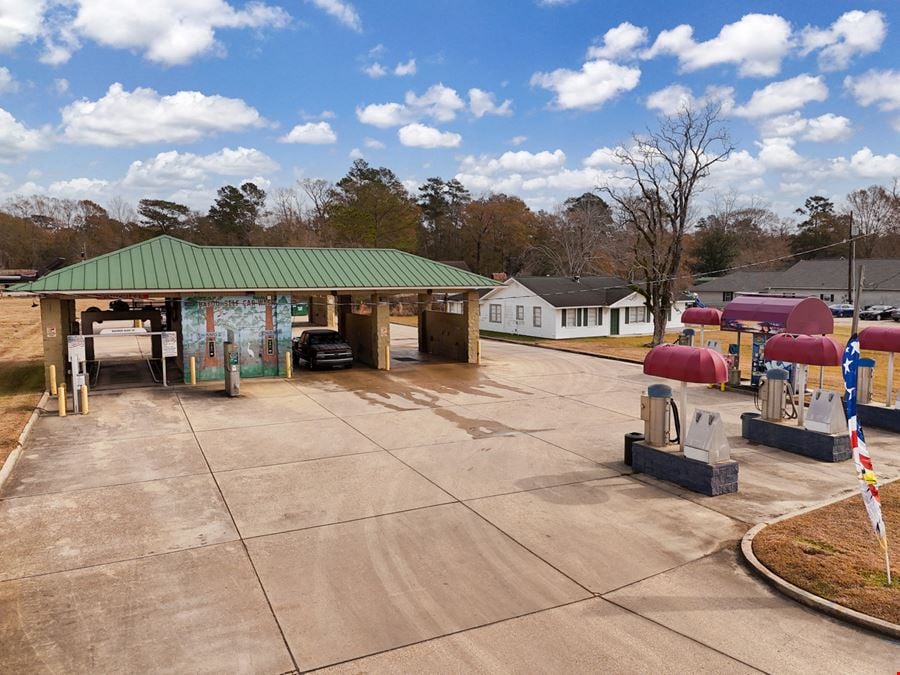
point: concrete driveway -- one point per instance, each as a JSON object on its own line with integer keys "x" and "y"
{"x": 440, "y": 517}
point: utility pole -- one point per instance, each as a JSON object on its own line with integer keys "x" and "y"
{"x": 859, "y": 283}
{"x": 851, "y": 272}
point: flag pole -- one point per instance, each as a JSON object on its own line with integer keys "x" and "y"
{"x": 887, "y": 560}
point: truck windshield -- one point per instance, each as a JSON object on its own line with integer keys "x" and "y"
{"x": 325, "y": 339}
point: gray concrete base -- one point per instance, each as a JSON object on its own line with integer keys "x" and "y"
{"x": 878, "y": 416}
{"x": 707, "y": 479}
{"x": 800, "y": 441}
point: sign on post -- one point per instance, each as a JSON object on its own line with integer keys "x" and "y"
{"x": 169, "y": 343}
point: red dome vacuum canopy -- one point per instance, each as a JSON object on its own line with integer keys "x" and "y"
{"x": 880, "y": 338}
{"x": 702, "y": 316}
{"x": 686, "y": 364}
{"x": 811, "y": 350}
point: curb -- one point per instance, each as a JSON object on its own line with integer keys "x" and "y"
{"x": 13, "y": 457}
{"x": 562, "y": 349}
{"x": 833, "y": 609}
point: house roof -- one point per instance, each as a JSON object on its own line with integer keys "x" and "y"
{"x": 831, "y": 273}
{"x": 169, "y": 264}
{"x": 748, "y": 282}
{"x": 584, "y": 292}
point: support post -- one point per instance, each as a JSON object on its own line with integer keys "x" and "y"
{"x": 288, "y": 365}
{"x": 193, "y": 367}
{"x": 423, "y": 305}
{"x": 890, "y": 381}
{"x": 702, "y": 331}
{"x": 801, "y": 393}
{"x": 165, "y": 384}
{"x": 471, "y": 312}
{"x": 61, "y": 399}
{"x": 381, "y": 333}
{"x": 682, "y": 413}
{"x": 84, "y": 399}
{"x": 53, "y": 379}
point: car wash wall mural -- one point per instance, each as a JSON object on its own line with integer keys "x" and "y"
{"x": 261, "y": 325}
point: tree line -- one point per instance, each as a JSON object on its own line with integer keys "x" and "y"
{"x": 645, "y": 229}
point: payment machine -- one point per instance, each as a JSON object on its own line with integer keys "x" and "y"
{"x": 232, "y": 355}
{"x": 77, "y": 367}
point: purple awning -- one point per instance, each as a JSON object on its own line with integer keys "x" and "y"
{"x": 776, "y": 314}
{"x": 702, "y": 316}
{"x": 880, "y": 338}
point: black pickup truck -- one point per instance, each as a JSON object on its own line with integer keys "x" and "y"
{"x": 321, "y": 347}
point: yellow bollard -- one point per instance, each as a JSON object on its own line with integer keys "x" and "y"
{"x": 478, "y": 358}
{"x": 61, "y": 399}
{"x": 84, "y": 399}
{"x": 288, "y": 365}
{"x": 138, "y": 323}
{"x": 387, "y": 357}
{"x": 193, "y": 370}
{"x": 52, "y": 380}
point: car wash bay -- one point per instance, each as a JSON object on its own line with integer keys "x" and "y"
{"x": 440, "y": 516}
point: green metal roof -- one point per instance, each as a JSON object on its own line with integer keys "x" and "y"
{"x": 169, "y": 264}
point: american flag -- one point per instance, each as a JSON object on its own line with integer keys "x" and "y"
{"x": 868, "y": 481}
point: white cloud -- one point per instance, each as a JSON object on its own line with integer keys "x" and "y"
{"x": 756, "y": 44}
{"x": 778, "y": 153}
{"x": 122, "y": 118}
{"x": 518, "y": 140}
{"x": 867, "y": 164}
{"x": 311, "y": 133}
{"x": 827, "y": 127}
{"x": 20, "y": 20}
{"x": 403, "y": 69}
{"x": 342, "y": 11}
{"x": 521, "y": 161}
{"x": 373, "y": 143}
{"x": 175, "y": 169}
{"x": 853, "y": 33}
{"x": 603, "y": 157}
{"x": 170, "y": 32}
{"x": 673, "y": 99}
{"x": 356, "y": 153}
{"x": 420, "y": 136}
{"x": 740, "y": 172}
{"x": 881, "y": 87}
{"x": 80, "y": 188}
{"x": 482, "y": 103}
{"x": 620, "y": 42}
{"x": 16, "y": 140}
{"x": 8, "y": 83}
{"x": 61, "y": 86}
{"x": 375, "y": 70}
{"x": 439, "y": 103}
{"x": 784, "y": 96}
{"x": 589, "y": 88}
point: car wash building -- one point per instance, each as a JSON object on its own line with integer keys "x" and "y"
{"x": 185, "y": 301}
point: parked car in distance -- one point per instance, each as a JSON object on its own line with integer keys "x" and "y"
{"x": 876, "y": 313}
{"x": 321, "y": 347}
{"x": 895, "y": 315}
{"x": 841, "y": 310}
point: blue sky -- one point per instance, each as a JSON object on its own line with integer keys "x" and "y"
{"x": 174, "y": 98}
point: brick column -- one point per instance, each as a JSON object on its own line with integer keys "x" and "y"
{"x": 471, "y": 312}
{"x": 424, "y": 304}
{"x": 57, "y": 319}
{"x": 381, "y": 332}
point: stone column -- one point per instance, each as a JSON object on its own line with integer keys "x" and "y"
{"x": 471, "y": 312}
{"x": 57, "y": 321}
{"x": 381, "y": 332}
{"x": 424, "y": 304}
{"x": 331, "y": 312}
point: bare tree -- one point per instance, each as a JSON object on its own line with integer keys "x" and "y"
{"x": 664, "y": 170}
{"x": 875, "y": 212}
{"x": 577, "y": 237}
{"x": 320, "y": 194}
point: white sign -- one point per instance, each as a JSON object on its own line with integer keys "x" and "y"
{"x": 123, "y": 331}
{"x": 169, "y": 343}
{"x": 76, "y": 348}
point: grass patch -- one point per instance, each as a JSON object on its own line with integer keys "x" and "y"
{"x": 833, "y": 553}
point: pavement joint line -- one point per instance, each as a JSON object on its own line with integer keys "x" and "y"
{"x": 104, "y": 486}
{"x": 685, "y": 635}
{"x": 237, "y": 530}
{"x": 450, "y": 634}
{"x": 296, "y": 461}
{"x": 118, "y": 561}
{"x": 639, "y": 476}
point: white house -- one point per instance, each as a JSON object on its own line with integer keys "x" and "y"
{"x": 564, "y": 307}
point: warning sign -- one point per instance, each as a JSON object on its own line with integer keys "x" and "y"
{"x": 169, "y": 343}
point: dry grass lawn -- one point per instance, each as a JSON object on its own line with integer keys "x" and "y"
{"x": 833, "y": 553}
{"x": 21, "y": 368}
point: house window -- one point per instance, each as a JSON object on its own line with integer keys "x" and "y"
{"x": 636, "y": 315}
{"x": 827, "y": 297}
{"x": 520, "y": 312}
{"x": 536, "y": 316}
{"x": 581, "y": 317}
{"x": 496, "y": 314}
{"x": 599, "y": 316}
{"x": 727, "y": 296}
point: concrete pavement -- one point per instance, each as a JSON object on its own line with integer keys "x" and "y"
{"x": 440, "y": 517}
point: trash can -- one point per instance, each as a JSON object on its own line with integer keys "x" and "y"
{"x": 630, "y": 438}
